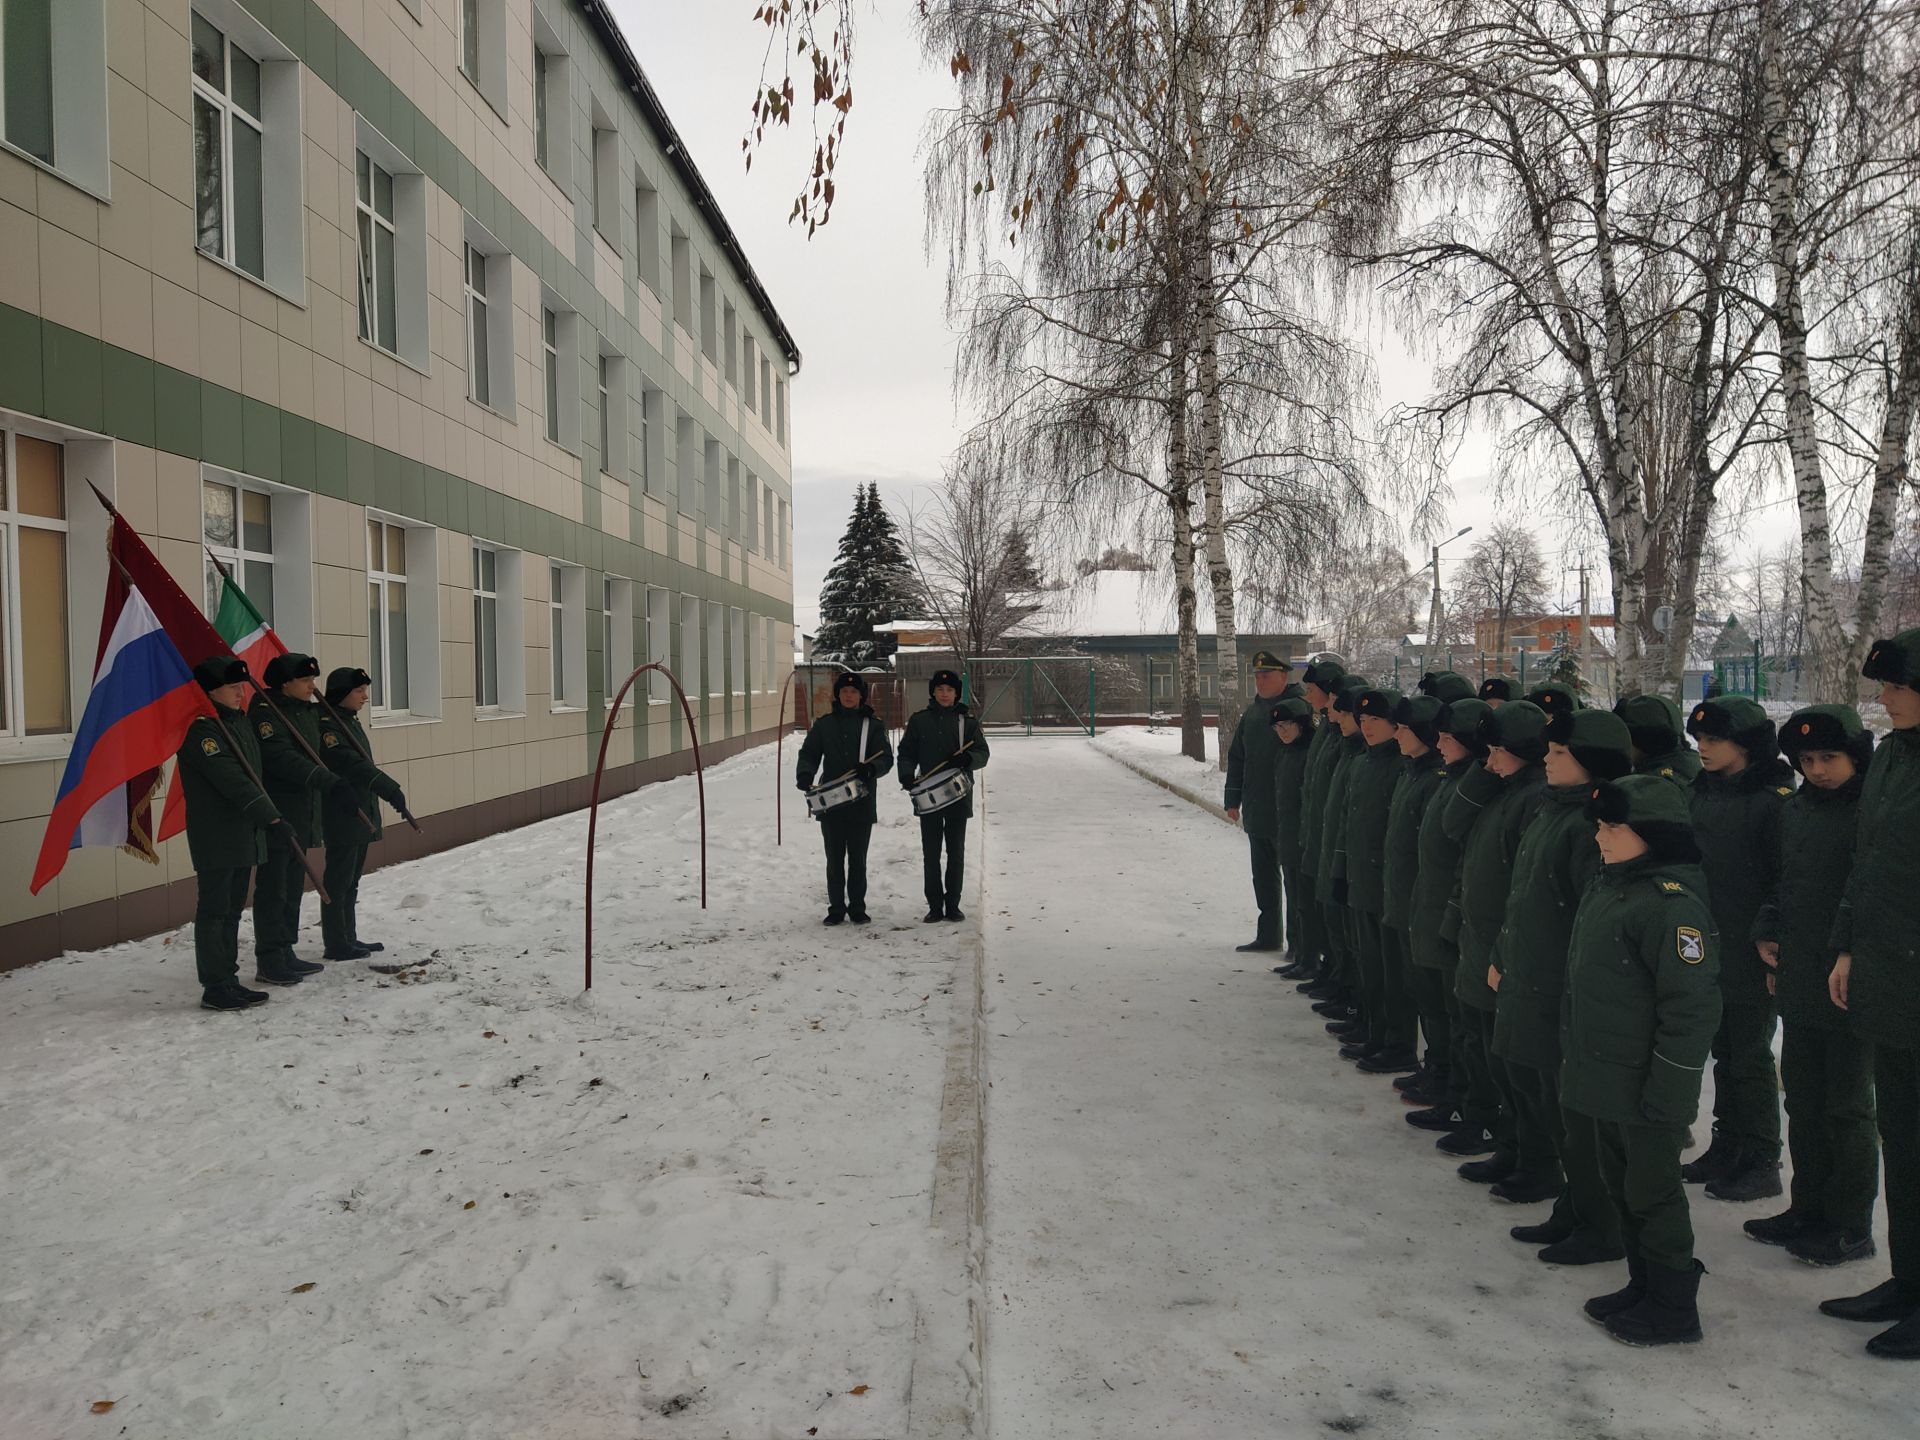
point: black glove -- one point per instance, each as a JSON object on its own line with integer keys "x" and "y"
{"x": 864, "y": 772}
{"x": 400, "y": 801}
{"x": 802, "y": 786}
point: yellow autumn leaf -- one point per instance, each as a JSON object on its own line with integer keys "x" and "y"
{"x": 101, "y": 1407}
{"x": 302, "y": 1289}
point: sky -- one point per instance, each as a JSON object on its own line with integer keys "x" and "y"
{"x": 866, "y": 303}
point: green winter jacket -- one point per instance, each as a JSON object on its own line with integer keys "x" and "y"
{"x": 1818, "y": 829}
{"x": 931, "y": 736}
{"x": 345, "y": 747}
{"x": 1680, "y": 765}
{"x": 832, "y": 749}
{"x": 1419, "y": 782}
{"x": 295, "y": 783}
{"x": 1879, "y": 921}
{"x": 1487, "y": 815}
{"x": 1369, "y": 809}
{"x": 1556, "y": 859}
{"x": 1434, "y": 917}
{"x": 227, "y": 813}
{"x": 1322, "y": 756}
{"x": 1330, "y": 885}
{"x": 1250, "y": 761}
{"x": 1736, "y": 819}
{"x": 1289, "y": 796}
{"x": 1643, "y": 996}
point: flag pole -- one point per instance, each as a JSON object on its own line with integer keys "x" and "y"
{"x": 267, "y": 695}
{"x": 405, "y": 814}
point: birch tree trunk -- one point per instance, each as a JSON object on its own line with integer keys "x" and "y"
{"x": 1890, "y": 470}
{"x": 1226, "y": 646}
{"x": 1193, "y": 734}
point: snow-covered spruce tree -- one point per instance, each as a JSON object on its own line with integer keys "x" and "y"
{"x": 871, "y": 582}
{"x": 896, "y": 584}
{"x": 1563, "y": 664}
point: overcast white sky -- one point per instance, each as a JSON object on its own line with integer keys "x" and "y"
{"x": 866, "y": 306}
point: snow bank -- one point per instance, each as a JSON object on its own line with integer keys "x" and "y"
{"x": 1154, "y": 752}
{"x": 466, "y": 1201}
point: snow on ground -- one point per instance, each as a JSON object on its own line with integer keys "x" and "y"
{"x": 470, "y": 1202}
{"x": 1202, "y": 1223}
{"x": 1154, "y": 752}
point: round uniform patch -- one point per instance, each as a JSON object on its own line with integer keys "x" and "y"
{"x": 266, "y": 729}
{"x": 330, "y": 740}
{"x": 1691, "y": 944}
{"x": 209, "y": 746}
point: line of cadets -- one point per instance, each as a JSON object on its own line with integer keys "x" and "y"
{"x": 1547, "y": 920}
{"x": 257, "y": 797}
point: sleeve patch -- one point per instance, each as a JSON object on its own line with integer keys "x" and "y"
{"x": 1673, "y": 887}
{"x": 266, "y": 729}
{"x": 1690, "y": 943}
{"x": 209, "y": 746}
{"x": 330, "y": 740}
{"x": 1786, "y": 790}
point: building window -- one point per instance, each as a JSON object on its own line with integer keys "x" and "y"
{"x": 470, "y": 39}
{"x": 479, "y": 365}
{"x": 659, "y": 643}
{"x": 606, "y": 422}
{"x": 714, "y": 478}
{"x": 53, "y": 86}
{"x": 373, "y": 212}
{"x": 689, "y": 667}
{"x": 646, "y": 236}
{"x": 26, "y": 77}
{"x": 686, "y": 457}
{"x": 733, "y": 498}
{"x": 766, "y": 392}
{"x": 752, "y": 512}
{"x": 486, "y": 628}
{"x": 716, "y": 648}
{"x": 237, "y": 525}
{"x": 783, "y": 534}
{"x": 730, "y": 343}
{"x": 767, "y": 544}
{"x": 737, "y": 628}
{"x": 487, "y": 281}
{"x": 566, "y": 636}
{"x": 540, "y": 145}
{"x": 767, "y": 656}
{"x": 682, "y": 280}
{"x": 560, "y": 370}
{"x": 387, "y": 625}
{"x": 747, "y": 366}
{"x": 605, "y": 179}
{"x": 649, "y": 402}
{"x": 228, "y": 140}
{"x": 709, "y": 316}
{"x": 390, "y": 215}
{"x": 36, "y": 682}
{"x": 616, "y": 634}
{"x": 780, "y": 408}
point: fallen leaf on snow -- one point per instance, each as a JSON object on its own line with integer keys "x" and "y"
{"x": 101, "y": 1407}
{"x": 302, "y": 1289}
{"x": 858, "y": 1390}
{"x": 470, "y": 1204}
{"x": 426, "y": 1152}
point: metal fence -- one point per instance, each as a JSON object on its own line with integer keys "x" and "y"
{"x": 1009, "y": 695}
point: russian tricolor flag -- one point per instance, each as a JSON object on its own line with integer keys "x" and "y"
{"x": 144, "y": 698}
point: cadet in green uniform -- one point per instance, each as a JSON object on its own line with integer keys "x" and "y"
{"x": 347, "y": 809}
{"x": 1556, "y": 859}
{"x": 1553, "y": 698}
{"x": 295, "y": 784}
{"x": 1876, "y": 980}
{"x": 1250, "y": 800}
{"x": 1659, "y": 738}
{"x": 1736, "y": 802}
{"x": 1331, "y": 885}
{"x": 1453, "y": 1105}
{"x": 1496, "y": 690}
{"x": 849, "y": 740}
{"x": 1321, "y": 682}
{"x": 1386, "y": 1047}
{"x": 1487, "y": 813}
{"x": 943, "y": 735}
{"x": 228, "y": 817}
{"x": 1642, "y": 1005}
{"x": 1293, "y": 731}
{"x": 1827, "y": 1071}
{"x": 1416, "y": 732}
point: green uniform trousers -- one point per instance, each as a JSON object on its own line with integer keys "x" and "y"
{"x": 1294, "y": 886}
{"x": 1428, "y": 990}
{"x": 1333, "y": 931}
{"x": 1896, "y": 1079}
{"x": 1640, "y": 1165}
{"x": 1402, "y": 1018}
{"x": 278, "y": 885}
{"x": 1828, "y": 1076}
{"x": 1265, "y": 855}
{"x": 1370, "y": 962}
{"x": 217, "y": 909}
{"x": 1536, "y": 1119}
{"x": 1585, "y": 1208}
{"x": 339, "y": 920}
{"x": 1484, "y": 1106}
{"x": 1746, "y": 1088}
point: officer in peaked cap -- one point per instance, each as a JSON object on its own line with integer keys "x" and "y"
{"x": 1250, "y": 796}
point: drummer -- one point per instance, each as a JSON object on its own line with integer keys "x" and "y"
{"x": 848, "y": 743}
{"x": 939, "y": 740}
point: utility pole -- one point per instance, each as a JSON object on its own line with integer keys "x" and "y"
{"x": 1586, "y": 627}
{"x": 1433, "y": 610}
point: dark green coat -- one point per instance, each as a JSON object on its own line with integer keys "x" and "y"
{"x": 1556, "y": 859}
{"x": 832, "y": 749}
{"x": 1487, "y": 815}
{"x": 1419, "y": 782}
{"x": 1879, "y": 922}
{"x": 1679, "y": 765}
{"x": 1333, "y": 823}
{"x": 1817, "y": 833}
{"x": 345, "y": 747}
{"x": 931, "y": 736}
{"x": 1643, "y": 996}
{"x": 1369, "y": 809}
{"x": 1435, "y": 914}
{"x": 1290, "y": 795}
{"x": 1322, "y": 757}
{"x": 1250, "y": 761}
{"x": 295, "y": 783}
{"x": 1737, "y": 822}
{"x": 227, "y": 813}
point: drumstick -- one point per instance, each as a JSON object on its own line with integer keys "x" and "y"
{"x": 868, "y": 761}
{"x": 946, "y": 762}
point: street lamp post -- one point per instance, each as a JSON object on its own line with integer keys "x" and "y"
{"x": 1433, "y": 612}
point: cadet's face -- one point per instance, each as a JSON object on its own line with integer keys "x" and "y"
{"x": 1451, "y": 750}
{"x": 1288, "y": 731}
{"x": 1376, "y": 729}
{"x": 303, "y": 688}
{"x": 1495, "y": 702}
{"x": 1411, "y": 745}
{"x": 1318, "y": 698}
{"x": 1504, "y": 762}
{"x": 942, "y": 695}
{"x": 230, "y": 697}
{"x": 848, "y": 697}
{"x": 1562, "y": 768}
{"x": 1618, "y": 843}
{"x": 1722, "y": 757}
{"x": 356, "y": 700}
{"x": 1903, "y": 705}
{"x": 1269, "y": 683}
{"x": 1826, "y": 769}
{"x": 1344, "y": 719}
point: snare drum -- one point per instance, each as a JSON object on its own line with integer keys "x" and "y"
{"x": 841, "y": 792}
{"x": 941, "y": 789}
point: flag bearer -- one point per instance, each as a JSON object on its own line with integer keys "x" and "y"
{"x": 1250, "y": 798}
{"x": 1826, "y": 1068}
{"x": 1642, "y": 1004}
{"x": 1293, "y": 730}
{"x": 1556, "y": 859}
{"x": 349, "y": 754}
{"x": 1386, "y": 1047}
{"x": 1659, "y": 738}
{"x": 833, "y": 750}
{"x": 228, "y": 817}
{"x": 943, "y": 736}
{"x": 1876, "y": 979}
{"x": 295, "y": 784}
{"x": 1736, "y": 802}
{"x": 1416, "y": 733}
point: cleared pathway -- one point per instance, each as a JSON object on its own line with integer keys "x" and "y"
{"x": 1200, "y": 1222}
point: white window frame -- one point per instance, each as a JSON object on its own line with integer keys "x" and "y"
{"x": 680, "y": 247}
{"x": 771, "y": 627}
{"x": 716, "y": 656}
{"x": 692, "y": 628}
{"x": 659, "y": 636}
{"x": 646, "y": 235}
{"x": 230, "y": 112}
{"x": 560, "y": 373}
{"x": 480, "y": 37}
{"x": 554, "y": 100}
{"x": 730, "y": 342}
{"x": 77, "y": 82}
{"x": 750, "y": 510}
{"x": 780, "y": 406}
{"x": 748, "y": 364}
{"x": 480, "y": 367}
{"x": 12, "y": 521}
{"x": 369, "y": 225}
{"x": 542, "y": 115}
{"x": 737, "y": 633}
{"x": 550, "y": 369}
{"x": 645, "y": 471}
{"x": 766, "y": 391}
{"x": 784, "y": 512}
{"x": 767, "y": 503}
{"x": 602, "y": 381}
{"x": 408, "y": 227}
{"x": 290, "y": 608}
{"x": 380, "y": 638}
{"x": 616, "y": 635}
{"x": 603, "y": 179}
{"x": 510, "y": 656}
{"x": 566, "y": 628}
{"x": 709, "y": 316}
{"x": 486, "y": 605}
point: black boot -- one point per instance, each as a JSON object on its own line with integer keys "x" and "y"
{"x": 1325, "y": 988}
{"x": 1782, "y": 1229}
{"x": 858, "y": 915}
{"x": 1831, "y": 1246}
{"x": 1390, "y": 1062}
{"x": 229, "y": 997}
{"x": 1750, "y": 1177}
{"x": 1527, "y": 1189}
{"x": 1601, "y": 1308}
{"x": 1470, "y": 1140}
{"x": 1337, "y": 1008}
{"x": 1668, "y": 1314}
{"x": 1356, "y": 1049}
{"x": 1348, "y": 1028}
{"x": 1578, "y": 1249}
{"x": 1716, "y": 1160}
{"x": 935, "y": 914}
{"x": 1439, "y": 1117}
{"x": 954, "y": 912}
{"x": 1902, "y": 1342}
{"x": 348, "y": 951}
{"x": 1256, "y": 946}
{"x": 1547, "y": 1232}
{"x": 1421, "y": 1076}
{"x": 1889, "y": 1300}
{"x": 270, "y": 971}
{"x": 834, "y": 916}
{"x": 1433, "y": 1092}
{"x": 372, "y": 947}
{"x": 1490, "y": 1171}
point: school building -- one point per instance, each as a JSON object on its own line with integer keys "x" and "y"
{"x": 419, "y": 315}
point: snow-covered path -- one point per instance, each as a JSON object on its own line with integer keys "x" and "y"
{"x": 1201, "y": 1223}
